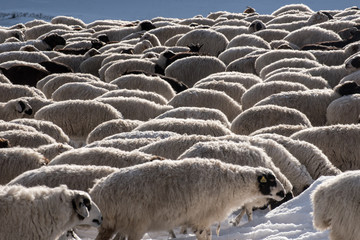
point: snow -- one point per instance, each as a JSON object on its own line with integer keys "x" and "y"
{"x": 291, "y": 220}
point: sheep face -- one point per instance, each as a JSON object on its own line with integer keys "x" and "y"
{"x": 271, "y": 187}
{"x": 87, "y": 211}
{"x": 23, "y": 108}
{"x": 352, "y": 63}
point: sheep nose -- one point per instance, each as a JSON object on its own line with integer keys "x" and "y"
{"x": 280, "y": 194}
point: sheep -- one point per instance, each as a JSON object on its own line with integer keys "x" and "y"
{"x": 337, "y": 191}
{"x": 77, "y": 118}
{"x": 207, "y": 98}
{"x": 34, "y": 57}
{"x": 301, "y": 37}
{"x": 234, "y": 53}
{"x": 118, "y": 33}
{"x": 111, "y": 127}
{"x": 7, "y": 33}
{"x": 198, "y": 216}
{"x": 244, "y": 64}
{"x": 24, "y": 74}
{"x": 315, "y": 161}
{"x": 166, "y": 32}
{"x": 300, "y": 8}
{"x": 344, "y": 110}
{"x": 173, "y": 147}
{"x": 172, "y": 41}
{"x": 120, "y": 67}
{"x": 336, "y": 25}
{"x": 196, "y": 113}
{"x": 272, "y": 34}
{"x": 77, "y": 90}
{"x": 288, "y": 63}
{"x": 46, "y": 127}
{"x": 74, "y": 176}
{"x": 185, "y": 126}
{"x": 35, "y": 103}
{"x": 258, "y": 117}
{"x": 304, "y": 102}
{"x": 92, "y": 64}
{"x": 145, "y": 83}
{"x": 103, "y": 156}
{"x": 13, "y": 109}
{"x": 213, "y": 43}
{"x": 49, "y": 151}
{"x": 142, "y": 134}
{"x": 232, "y": 89}
{"x": 5, "y": 126}
{"x": 281, "y": 129}
{"x": 27, "y": 138}
{"x": 275, "y": 55}
{"x": 197, "y": 20}
{"x": 231, "y": 31}
{"x": 294, "y": 171}
{"x": 239, "y": 154}
{"x": 335, "y": 143}
{"x": 36, "y": 31}
{"x": 71, "y": 21}
{"x": 283, "y": 44}
{"x": 16, "y": 160}
{"x": 246, "y": 79}
{"x": 248, "y": 40}
{"x": 151, "y": 96}
{"x": 61, "y": 207}
{"x": 145, "y": 109}
{"x": 262, "y": 90}
{"x": 311, "y": 82}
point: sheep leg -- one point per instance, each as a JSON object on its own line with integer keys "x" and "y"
{"x": 249, "y": 213}
{"x": 172, "y": 234}
{"x": 203, "y": 234}
{"x": 104, "y": 233}
{"x": 119, "y": 237}
{"x": 238, "y": 218}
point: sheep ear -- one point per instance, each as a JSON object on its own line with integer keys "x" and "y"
{"x": 80, "y": 206}
{"x": 20, "y": 106}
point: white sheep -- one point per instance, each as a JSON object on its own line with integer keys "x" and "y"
{"x": 315, "y": 161}
{"x": 12, "y": 91}
{"x": 111, "y": 127}
{"x": 185, "y": 126}
{"x": 74, "y": 61}
{"x": 5, "y": 126}
{"x": 151, "y": 96}
{"x": 93, "y": 64}
{"x": 231, "y": 31}
{"x": 281, "y": 129}
{"x": 77, "y": 90}
{"x": 213, "y": 42}
{"x": 166, "y": 32}
{"x": 26, "y": 138}
{"x": 299, "y": 7}
{"x": 307, "y": 80}
{"x": 8, "y": 33}
{"x": 301, "y": 37}
{"x": 16, "y": 160}
{"x": 335, "y": 142}
{"x": 77, "y": 118}
{"x": 336, "y": 25}
{"x": 248, "y": 40}
{"x": 103, "y": 156}
{"x": 71, "y": 21}
{"x": 46, "y": 127}
{"x": 40, "y": 205}
{"x": 196, "y": 97}
{"x": 201, "y": 211}
{"x": 13, "y": 109}
{"x": 272, "y": 34}
{"x": 52, "y": 150}
{"x": 344, "y": 110}
{"x": 337, "y": 191}
{"x": 145, "y": 83}
{"x": 191, "y": 69}
{"x": 258, "y": 117}
{"x": 262, "y": 90}
{"x": 35, "y": 32}
{"x": 234, "y": 53}
{"x": 35, "y": 104}
{"x": 244, "y": 64}
{"x": 196, "y": 113}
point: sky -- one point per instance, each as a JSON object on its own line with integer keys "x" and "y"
{"x": 292, "y": 220}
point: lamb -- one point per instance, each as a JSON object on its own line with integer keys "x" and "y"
{"x": 173, "y": 147}
{"x": 61, "y": 207}
{"x": 248, "y": 40}
{"x": 311, "y": 82}
{"x": 151, "y": 96}
{"x": 213, "y": 43}
{"x": 185, "y": 126}
{"x": 281, "y": 129}
{"x": 13, "y": 109}
{"x": 145, "y": 83}
{"x": 262, "y": 90}
{"x": 207, "y": 98}
{"x": 199, "y": 216}
{"x": 258, "y": 117}
{"x": 191, "y": 69}
{"x": 70, "y": 116}
{"x": 16, "y": 160}
{"x": 337, "y": 191}
{"x": 103, "y": 156}
{"x": 196, "y": 113}
{"x": 344, "y": 110}
{"x": 77, "y": 90}
{"x": 239, "y": 154}
{"x": 74, "y": 176}
{"x": 126, "y": 105}
{"x": 46, "y": 127}
{"x": 275, "y": 55}
{"x": 308, "y": 154}
{"x": 335, "y": 143}
{"x": 111, "y": 127}
{"x": 301, "y": 37}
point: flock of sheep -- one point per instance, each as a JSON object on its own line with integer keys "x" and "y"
{"x": 150, "y": 125}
